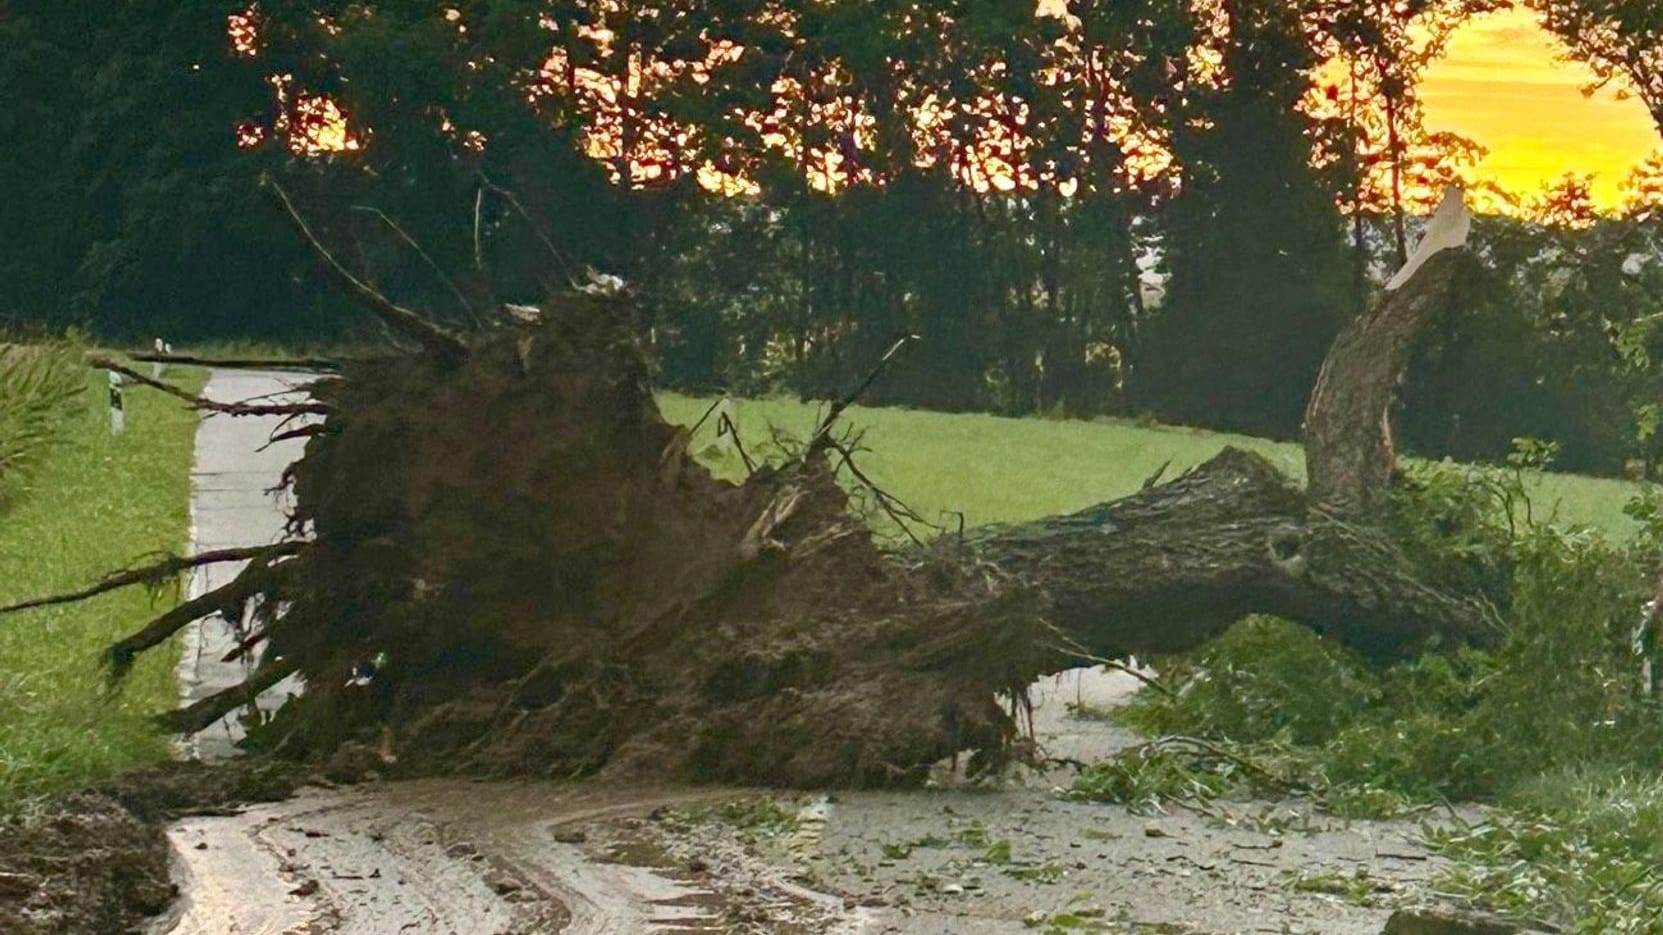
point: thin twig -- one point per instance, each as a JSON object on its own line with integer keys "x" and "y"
{"x": 1075, "y": 649}
{"x": 700, "y": 424}
{"x": 567, "y": 268}
{"x": 397, "y": 318}
{"x": 437, "y": 270}
{"x": 160, "y": 571}
{"x": 739, "y": 446}
{"x": 200, "y": 402}
{"x": 305, "y": 431}
{"x": 820, "y": 440}
{"x": 478, "y": 251}
{"x": 897, "y": 510}
{"x": 245, "y": 645}
{"x": 1155, "y": 478}
{"x": 1196, "y": 743}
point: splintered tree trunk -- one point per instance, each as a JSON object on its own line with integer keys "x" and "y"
{"x": 503, "y": 559}
{"x": 1349, "y": 453}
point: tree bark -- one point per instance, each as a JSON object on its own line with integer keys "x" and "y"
{"x": 1349, "y": 453}
{"x": 1174, "y": 565}
{"x": 1171, "y": 567}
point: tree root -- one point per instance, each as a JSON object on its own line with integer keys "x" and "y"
{"x": 159, "y": 572}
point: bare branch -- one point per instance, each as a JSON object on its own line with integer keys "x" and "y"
{"x": 1072, "y": 648}
{"x": 726, "y": 424}
{"x": 704, "y": 418}
{"x": 200, "y": 402}
{"x": 245, "y": 645}
{"x": 243, "y": 363}
{"x": 122, "y": 654}
{"x": 437, "y": 270}
{"x": 430, "y": 337}
{"x": 567, "y": 268}
{"x": 204, "y": 713}
{"x": 305, "y": 431}
{"x": 892, "y": 505}
{"x": 478, "y": 207}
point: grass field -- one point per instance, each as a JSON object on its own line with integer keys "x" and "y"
{"x": 94, "y": 503}
{"x": 996, "y": 469}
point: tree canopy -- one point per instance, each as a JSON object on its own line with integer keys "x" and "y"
{"x": 1161, "y": 206}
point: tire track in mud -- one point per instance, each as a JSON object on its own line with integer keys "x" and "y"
{"x": 446, "y": 856}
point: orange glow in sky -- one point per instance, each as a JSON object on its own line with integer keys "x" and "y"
{"x": 1506, "y": 84}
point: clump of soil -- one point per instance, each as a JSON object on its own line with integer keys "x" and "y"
{"x": 97, "y": 860}
{"x": 81, "y": 864}
{"x": 517, "y": 567}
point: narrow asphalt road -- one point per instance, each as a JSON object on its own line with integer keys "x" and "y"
{"x": 233, "y": 503}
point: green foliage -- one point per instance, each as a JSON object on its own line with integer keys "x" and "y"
{"x": 1265, "y": 679}
{"x": 1563, "y": 327}
{"x": 1562, "y": 688}
{"x": 1580, "y": 848}
{"x": 1146, "y": 776}
{"x": 129, "y": 207}
{"x": 41, "y": 388}
{"x": 1259, "y": 279}
{"x": 133, "y": 210}
{"x": 1085, "y": 919}
{"x": 1356, "y": 888}
{"x": 1460, "y": 523}
{"x": 1619, "y": 39}
{"x": 762, "y": 816}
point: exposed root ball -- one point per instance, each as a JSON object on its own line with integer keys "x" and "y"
{"x": 543, "y": 581}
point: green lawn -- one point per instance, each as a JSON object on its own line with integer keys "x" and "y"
{"x": 996, "y": 469}
{"x": 95, "y": 503}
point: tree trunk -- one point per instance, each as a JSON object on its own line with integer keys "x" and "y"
{"x": 1349, "y": 451}
{"x": 1171, "y": 567}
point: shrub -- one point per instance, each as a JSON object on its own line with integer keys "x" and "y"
{"x": 40, "y": 387}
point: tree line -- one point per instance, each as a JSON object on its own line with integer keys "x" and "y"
{"x": 1129, "y": 207}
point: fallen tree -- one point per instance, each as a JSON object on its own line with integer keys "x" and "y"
{"x": 503, "y": 559}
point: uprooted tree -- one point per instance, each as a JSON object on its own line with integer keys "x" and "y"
{"x": 502, "y": 558}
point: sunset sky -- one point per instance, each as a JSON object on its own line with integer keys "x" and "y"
{"x": 1506, "y": 84}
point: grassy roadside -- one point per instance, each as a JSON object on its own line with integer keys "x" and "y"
{"x": 94, "y": 503}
